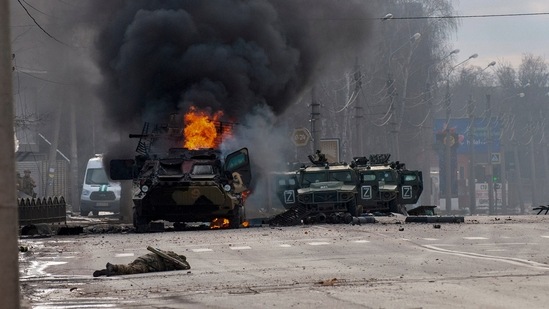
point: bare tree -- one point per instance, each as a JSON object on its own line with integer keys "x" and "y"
{"x": 530, "y": 126}
{"x": 506, "y": 76}
{"x": 533, "y": 71}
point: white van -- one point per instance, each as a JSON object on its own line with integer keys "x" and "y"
{"x": 99, "y": 193}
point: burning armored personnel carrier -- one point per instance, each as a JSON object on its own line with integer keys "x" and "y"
{"x": 184, "y": 185}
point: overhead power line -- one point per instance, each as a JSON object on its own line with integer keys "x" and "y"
{"x": 465, "y": 16}
{"x": 37, "y": 24}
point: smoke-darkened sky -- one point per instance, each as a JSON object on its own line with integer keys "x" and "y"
{"x": 159, "y": 57}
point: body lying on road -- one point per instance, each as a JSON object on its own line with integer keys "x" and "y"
{"x": 158, "y": 260}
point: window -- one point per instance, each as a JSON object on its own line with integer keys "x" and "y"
{"x": 344, "y": 176}
{"x": 202, "y": 170}
{"x": 310, "y": 178}
{"x": 409, "y": 177}
{"x": 96, "y": 176}
{"x": 368, "y": 177}
{"x": 285, "y": 182}
{"x": 385, "y": 176}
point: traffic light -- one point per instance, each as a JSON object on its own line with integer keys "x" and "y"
{"x": 496, "y": 173}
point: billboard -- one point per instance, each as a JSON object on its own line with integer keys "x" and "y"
{"x": 483, "y": 129}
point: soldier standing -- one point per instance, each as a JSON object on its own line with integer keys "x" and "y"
{"x": 151, "y": 262}
{"x": 19, "y": 182}
{"x": 28, "y": 184}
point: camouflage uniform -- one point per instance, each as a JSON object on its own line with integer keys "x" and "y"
{"x": 28, "y": 184}
{"x": 19, "y": 182}
{"x": 150, "y": 262}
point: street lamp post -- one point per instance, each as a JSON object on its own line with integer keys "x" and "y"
{"x": 491, "y": 192}
{"x": 449, "y": 140}
{"x": 472, "y": 178}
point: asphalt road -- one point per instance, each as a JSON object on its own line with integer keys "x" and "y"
{"x": 486, "y": 262}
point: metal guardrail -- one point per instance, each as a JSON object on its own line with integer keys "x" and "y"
{"x": 42, "y": 210}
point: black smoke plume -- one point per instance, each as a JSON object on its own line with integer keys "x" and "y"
{"x": 160, "y": 57}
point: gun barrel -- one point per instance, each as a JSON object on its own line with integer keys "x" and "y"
{"x": 182, "y": 264}
{"x": 139, "y": 135}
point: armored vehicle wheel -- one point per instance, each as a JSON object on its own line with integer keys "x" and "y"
{"x": 141, "y": 224}
{"x": 354, "y": 210}
{"x": 393, "y": 207}
{"x": 359, "y": 210}
{"x": 348, "y": 218}
{"x": 397, "y": 208}
{"x": 84, "y": 213}
{"x": 95, "y": 212}
{"x": 236, "y": 219}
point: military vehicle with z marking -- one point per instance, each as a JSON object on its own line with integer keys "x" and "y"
{"x": 337, "y": 192}
{"x": 385, "y": 186}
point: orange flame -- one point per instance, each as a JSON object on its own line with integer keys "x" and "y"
{"x": 245, "y": 195}
{"x": 201, "y": 131}
{"x": 219, "y": 223}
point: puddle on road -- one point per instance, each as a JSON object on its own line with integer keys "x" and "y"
{"x": 38, "y": 268}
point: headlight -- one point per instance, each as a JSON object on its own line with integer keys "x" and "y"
{"x": 227, "y": 187}
{"x": 85, "y": 192}
{"x": 144, "y": 188}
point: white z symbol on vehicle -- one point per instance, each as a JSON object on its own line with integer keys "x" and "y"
{"x": 289, "y": 196}
{"x": 407, "y": 192}
{"x": 366, "y": 192}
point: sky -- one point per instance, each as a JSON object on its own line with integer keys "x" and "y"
{"x": 502, "y": 39}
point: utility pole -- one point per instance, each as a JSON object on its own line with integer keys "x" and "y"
{"x": 75, "y": 198}
{"x": 315, "y": 116}
{"x": 9, "y": 264}
{"x": 545, "y": 162}
{"x": 502, "y": 166}
{"x": 472, "y": 178}
{"x": 518, "y": 178}
{"x": 392, "y": 101}
{"x": 490, "y": 165}
{"x": 52, "y": 156}
{"x": 426, "y": 197}
{"x": 533, "y": 164}
{"x": 448, "y": 142}
{"x": 358, "y": 111}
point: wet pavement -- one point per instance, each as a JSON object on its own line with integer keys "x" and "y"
{"x": 56, "y": 269}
